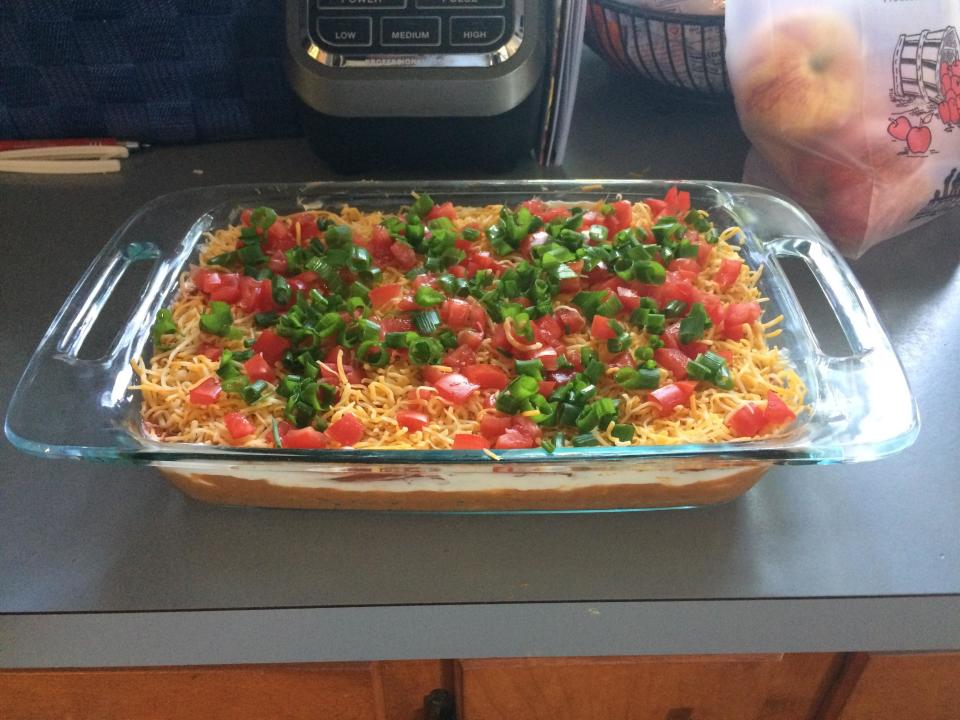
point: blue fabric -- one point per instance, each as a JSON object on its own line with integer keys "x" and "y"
{"x": 158, "y": 71}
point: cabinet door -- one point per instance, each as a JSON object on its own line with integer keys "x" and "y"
{"x": 888, "y": 686}
{"x": 332, "y": 691}
{"x": 723, "y": 687}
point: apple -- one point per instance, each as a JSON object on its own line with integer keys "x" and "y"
{"x": 857, "y": 204}
{"x": 900, "y": 127}
{"x": 801, "y": 77}
{"x": 919, "y": 139}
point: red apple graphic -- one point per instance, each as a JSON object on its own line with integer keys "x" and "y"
{"x": 899, "y": 128}
{"x": 919, "y": 139}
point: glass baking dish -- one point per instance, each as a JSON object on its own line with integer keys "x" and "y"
{"x": 859, "y": 407}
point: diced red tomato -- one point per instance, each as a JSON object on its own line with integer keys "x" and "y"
{"x": 498, "y": 339}
{"x": 712, "y": 304}
{"x": 245, "y": 216}
{"x": 256, "y": 295}
{"x": 670, "y": 396}
{"x": 548, "y": 356}
{"x": 213, "y": 352}
{"x": 547, "y": 387}
{"x": 380, "y": 242}
{"x": 237, "y": 425}
{"x": 271, "y": 346}
{"x": 455, "y": 388}
{"x": 547, "y": 330}
{"x": 675, "y": 287}
{"x": 676, "y": 201}
{"x": 553, "y": 214}
{"x": 628, "y": 298}
{"x": 279, "y": 237}
{"x": 656, "y": 206}
{"x": 493, "y": 425}
{"x": 598, "y": 275}
{"x": 383, "y": 294}
{"x": 395, "y": 324}
{"x": 570, "y": 320}
{"x": 421, "y": 392}
{"x": 404, "y": 256}
{"x": 458, "y": 270}
{"x": 469, "y": 441}
{"x": 728, "y": 273}
{"x": 412, "y": 420}
{"x": 685, "y": 265}
{"x": 745, "y": 421}
{"x": 459, "y": 357}
{"x": 348, "y": 430}
{"x": 535, "y": 205}
{"x": 278, "y": 262}
{"x": 328, "y": 368}
{"x": 673, "y": 361}
{"x": 432, "y": 373}
{"x": 445, "y": 210}
{"x": 470, "y": 338}
{"x": 456, "y": 313}
{"x": 487, "y": 376}
{"x": 561, "y": 377}
{"x": 623, "y": 213}
{"x": 671, "y": 339}
{"x": 306, "y": 438}
{"x": 777, "y": 412}
{"x": 704, "y": 251}
{"x": 591, "y": 218}
{"x": 428, "y": 279}
{"x": 308, "y": 226}
{"x": 304, "y": 283}
{"x": 600, "y": 328}
{"x": 206, "y": 393}
{"x": 257, "y": 368}
{"x": 533, "y": 240}
{"x": 406, "y": 303}
{"x": 229, "y": 289}
{"x": 737, "y": 315}
{"x": 620, "y": 360}
{"x": 524, "y": 433}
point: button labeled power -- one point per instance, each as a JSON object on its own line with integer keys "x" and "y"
{"x": 405, "y": 31}
{"x": 476, "y": 31}
{"x": 345, "y": 31}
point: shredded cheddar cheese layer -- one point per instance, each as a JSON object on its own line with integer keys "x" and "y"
{"x": 167, "y": 378}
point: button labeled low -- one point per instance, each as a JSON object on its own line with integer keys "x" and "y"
{"x": 453, "y": 4}
{"x": 402, "y": 31}
{"x": 476, "y": 31}
{"x": 345, "y": 32}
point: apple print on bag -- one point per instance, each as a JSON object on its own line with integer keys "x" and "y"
{"x": 926, "y": 84}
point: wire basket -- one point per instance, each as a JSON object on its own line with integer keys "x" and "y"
{"x": 682, "y": 52}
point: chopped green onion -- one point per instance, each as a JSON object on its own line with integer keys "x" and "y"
{"x": 649, "y": 272}
{"x": 265, "y": 319}
{"x": 338, "y": 236}
{"x": 422, "y": 205}
{"x": 523, "y": 387}
{"x": 548, "y": 445}
{"x": 533, "y": 368}
{"x": 426, "y": 351}
{"x": 585, "y": 440}
{"x": 163, "y": 325}
{"x": 674, "y": 308}
{"x": 712, "y": 368}
{"x": 281, "y": 290}
{"x": 426, "y": 296}
{"x": 219, "y": 320}
{"x": 262, "y": 218}
{"x": 426, "y": 321}
{"x": 623, "y": 433}
{"x": 636, "y": 379}
{"x": 227, "y": 259}
{"x": 470, "y": 234}
{"x": 694, "y": 324}
{"x": 252, "y": 392}
{"x": 447, "y": 339}
{"x": 610, "y": 307}
{"x": 276, "y": 433}
{"x": 373, "y": 353}
{"x": 655, "y": 323}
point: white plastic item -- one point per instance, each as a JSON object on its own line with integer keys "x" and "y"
{"x": 853, "y": 109}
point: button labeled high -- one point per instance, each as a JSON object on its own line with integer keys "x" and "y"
{"x": 476, "y": 31}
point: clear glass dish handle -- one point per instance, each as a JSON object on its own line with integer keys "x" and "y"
{"x": 869, "y": 405}
{"x": 58, "y": 384}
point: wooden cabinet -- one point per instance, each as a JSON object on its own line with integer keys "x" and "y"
{"x": 332, "y": 691}
{"x": 907, "y": 686}
{"x": 706, "y": 687}
{"x": 767, "y": 687}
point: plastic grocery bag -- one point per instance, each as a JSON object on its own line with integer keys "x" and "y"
{"x": 853, "y": 109}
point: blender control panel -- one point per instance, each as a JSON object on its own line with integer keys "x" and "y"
{"x": 412, "y": 27}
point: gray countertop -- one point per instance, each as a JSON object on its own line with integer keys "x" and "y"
{"x": 109, "y": 565}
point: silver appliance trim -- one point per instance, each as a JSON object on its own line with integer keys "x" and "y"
{"x": 416, "y": 60}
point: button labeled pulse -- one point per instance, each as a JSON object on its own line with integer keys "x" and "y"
{"x": 345, "y": 32}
